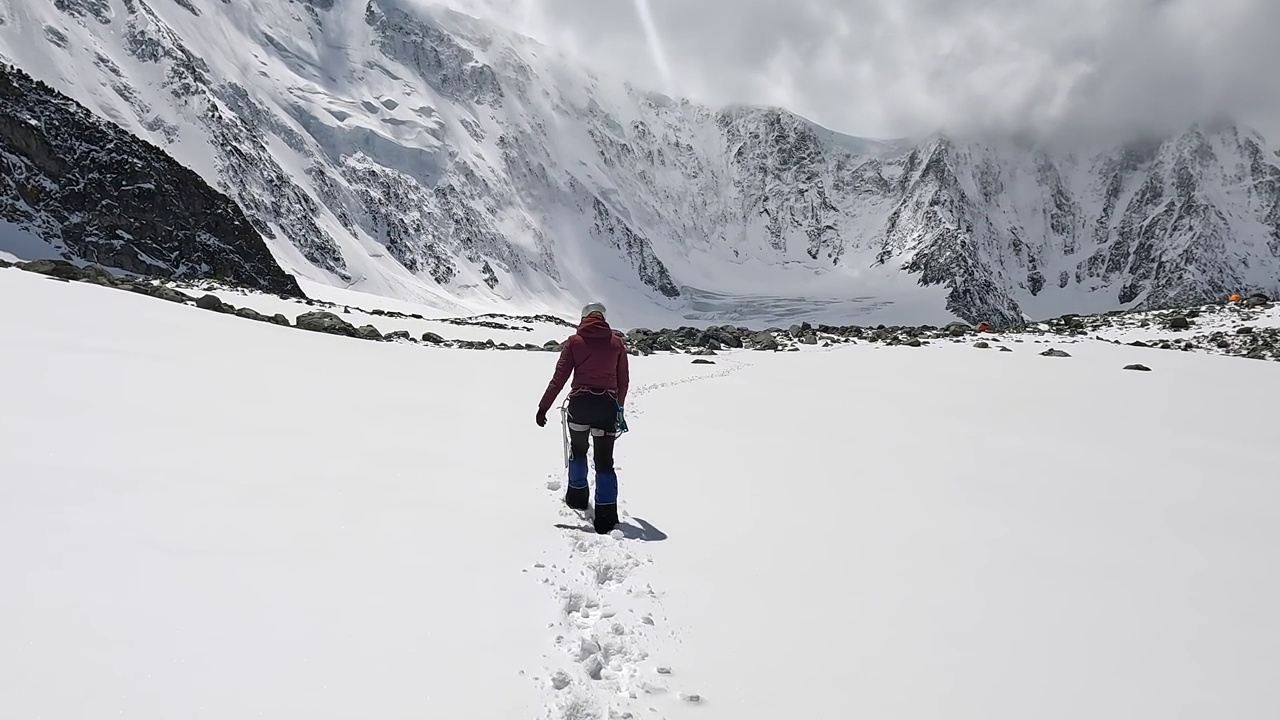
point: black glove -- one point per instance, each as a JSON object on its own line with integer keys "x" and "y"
{"x": 542, "y": 417}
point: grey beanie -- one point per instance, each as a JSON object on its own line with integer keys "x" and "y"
{"x": 593, "y": 307}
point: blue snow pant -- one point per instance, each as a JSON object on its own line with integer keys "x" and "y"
{"x": 593, "y": 419}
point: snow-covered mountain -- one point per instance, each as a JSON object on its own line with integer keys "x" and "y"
{"x": 425, "y": 155}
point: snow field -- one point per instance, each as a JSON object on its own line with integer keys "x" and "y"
{"x": 954, "y": 532}
{"x": 203, "y": 516}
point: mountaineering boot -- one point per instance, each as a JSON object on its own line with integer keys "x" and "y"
{"x": 606, "y": 501}
{"x": 606, "y": 518}
{"x": 578, "y": 496}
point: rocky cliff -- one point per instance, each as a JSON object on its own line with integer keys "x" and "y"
{"x": 97, "y": 193}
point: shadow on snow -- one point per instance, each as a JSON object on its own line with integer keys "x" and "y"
{"x": 641, "y": 530}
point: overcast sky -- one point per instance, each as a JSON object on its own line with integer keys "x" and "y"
{"x": 903, "y": 67}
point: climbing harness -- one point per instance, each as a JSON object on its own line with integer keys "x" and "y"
{"x": 565, "y": 426}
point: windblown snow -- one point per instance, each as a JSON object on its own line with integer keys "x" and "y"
{"x": 422, "y": 155}
{"x": 206, "y": 516}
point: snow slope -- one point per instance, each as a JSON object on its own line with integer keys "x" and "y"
{"x": 203, "y": 516}
{"x": 408, "y": 151}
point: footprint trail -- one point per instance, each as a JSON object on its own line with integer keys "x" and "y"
{"x": 610, "y": 618}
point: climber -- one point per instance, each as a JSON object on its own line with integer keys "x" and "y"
{"x": 597, "y": 358}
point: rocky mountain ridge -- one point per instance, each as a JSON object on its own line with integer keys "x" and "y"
{"x": 100, "y": 194}
{"x": 427, "y": 155}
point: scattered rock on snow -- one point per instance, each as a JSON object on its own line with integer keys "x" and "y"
{"x": 1054, "y": 352}
{"x": 982, "y": 345}
{"x": 703, "y": 361}
{"x": 325, "y": 322}
{"x": 54, "y": 268}
{"x": 1238, "y": 329}
{"x": 250, "y": 314}
{"x": 765, "y": 341}
{"x": 212, "y": 302}
{"x": 1137, "y": 366}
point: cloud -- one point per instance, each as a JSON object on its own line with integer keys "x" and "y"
{"x": 906, "y": 67}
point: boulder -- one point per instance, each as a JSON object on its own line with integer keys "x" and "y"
{"x": 250, "y": 314}
{"x": 325, "y": 322}
{"x": 213, "y": 302}
{"x": 765, "y": 341}
{"x": 168, "y": 293}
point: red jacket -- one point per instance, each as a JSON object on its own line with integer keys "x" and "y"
{"x": 596, "y": 357}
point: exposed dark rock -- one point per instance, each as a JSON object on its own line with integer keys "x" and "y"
{"x": 765, "y": 341}
{"x": 168, "y": 293}
{"x": 1137, "y": 366}
{"x": 250, "y": 314}
{"x": 325, "y": 322}
{"x": 212, "y": 302}
{"x": 87, "y": 185}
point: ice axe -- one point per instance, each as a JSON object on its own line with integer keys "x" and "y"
{"x": 564, "y": 429}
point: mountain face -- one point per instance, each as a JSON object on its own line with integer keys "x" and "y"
{"x": 97, "y": 193}
{"x": 429, "y": 156}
